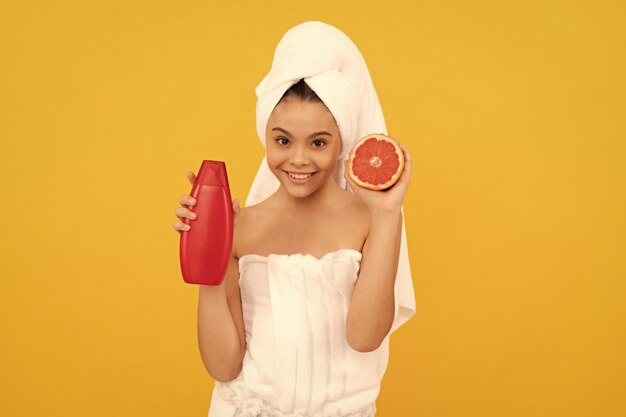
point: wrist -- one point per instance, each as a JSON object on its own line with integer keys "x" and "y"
{"x": 385, "y": 211}
{"x": 386, "y": 219}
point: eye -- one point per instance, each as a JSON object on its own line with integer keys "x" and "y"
{"x": 279, "y": 139}
{"x": 322, "y": 143}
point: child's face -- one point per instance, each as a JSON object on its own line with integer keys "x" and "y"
{"x": 302, "y": 137}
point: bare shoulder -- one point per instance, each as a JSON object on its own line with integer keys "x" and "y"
{"x": 352, "y": 202}
{"x": 249, "y": 216}
{"x": 355, "y": 213}
{"x": 250, "y": 221}
{"x": 240, "y": 230}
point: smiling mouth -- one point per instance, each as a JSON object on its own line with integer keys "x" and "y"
{"x": 297, "y": 176}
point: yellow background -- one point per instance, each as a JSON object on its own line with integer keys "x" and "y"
{"x": 514, "y": 114}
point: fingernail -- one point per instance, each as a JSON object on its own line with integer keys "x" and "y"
{"x": 194, "y": 215}
{"x": 192, "y": 200}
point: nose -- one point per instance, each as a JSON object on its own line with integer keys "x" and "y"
{"x": 299, "y": 156}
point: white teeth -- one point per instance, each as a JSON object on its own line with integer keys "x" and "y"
{"x": 299, "y": 176}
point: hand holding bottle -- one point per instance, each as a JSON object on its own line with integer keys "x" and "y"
{"x": 206, "y": 251}
{"x": 186, "y": 201}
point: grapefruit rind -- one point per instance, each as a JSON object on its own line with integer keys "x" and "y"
{"x": 381, "y": 185}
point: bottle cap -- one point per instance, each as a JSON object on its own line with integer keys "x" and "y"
{"x": 212, "y": 173}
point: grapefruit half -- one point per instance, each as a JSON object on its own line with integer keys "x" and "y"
{"x": 376, "y": 162}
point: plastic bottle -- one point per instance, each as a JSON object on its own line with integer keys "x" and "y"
{"x": 205, "y": 249}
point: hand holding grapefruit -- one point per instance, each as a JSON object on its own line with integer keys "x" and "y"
{"x": 376, "y": 162}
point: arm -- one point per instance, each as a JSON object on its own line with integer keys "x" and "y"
{"x": 372, "y": 307}
{"x": 221, "y": 336}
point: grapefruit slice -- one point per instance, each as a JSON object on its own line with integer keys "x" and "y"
{"x": 376, "y": 162}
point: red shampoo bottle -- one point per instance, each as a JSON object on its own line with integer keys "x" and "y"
{"x": 205, "y": 249}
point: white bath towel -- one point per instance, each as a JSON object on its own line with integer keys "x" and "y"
{"x": 332, "y": 65}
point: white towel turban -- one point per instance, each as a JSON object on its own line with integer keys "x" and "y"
{"x": 332, "y": 65}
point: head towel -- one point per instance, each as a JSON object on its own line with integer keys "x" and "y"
{"x": 332, "y": 65}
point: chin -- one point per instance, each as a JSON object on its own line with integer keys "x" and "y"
{"x": 298, "y": 191}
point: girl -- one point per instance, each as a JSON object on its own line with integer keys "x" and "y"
{"x": 318, "y": 277}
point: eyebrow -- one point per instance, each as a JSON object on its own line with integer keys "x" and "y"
{"x": 321, "y": 132}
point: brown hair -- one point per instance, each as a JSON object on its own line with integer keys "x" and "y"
{"x": 302, "y": 91}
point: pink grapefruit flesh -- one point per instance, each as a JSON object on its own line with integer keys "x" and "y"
{"x": 376, "y": 162}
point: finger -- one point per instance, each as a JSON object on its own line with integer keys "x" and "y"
{"x": 182, "y": 212}
{"x": 236, "y": 211}
{"x": 181, "y": 227}
{"x": 191, "y": 177}
{"x": 186, "y": 200}
{"x": 407, "y": 154}
{"x": 407, "y": 163}
{"x": 236, "y": 207}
